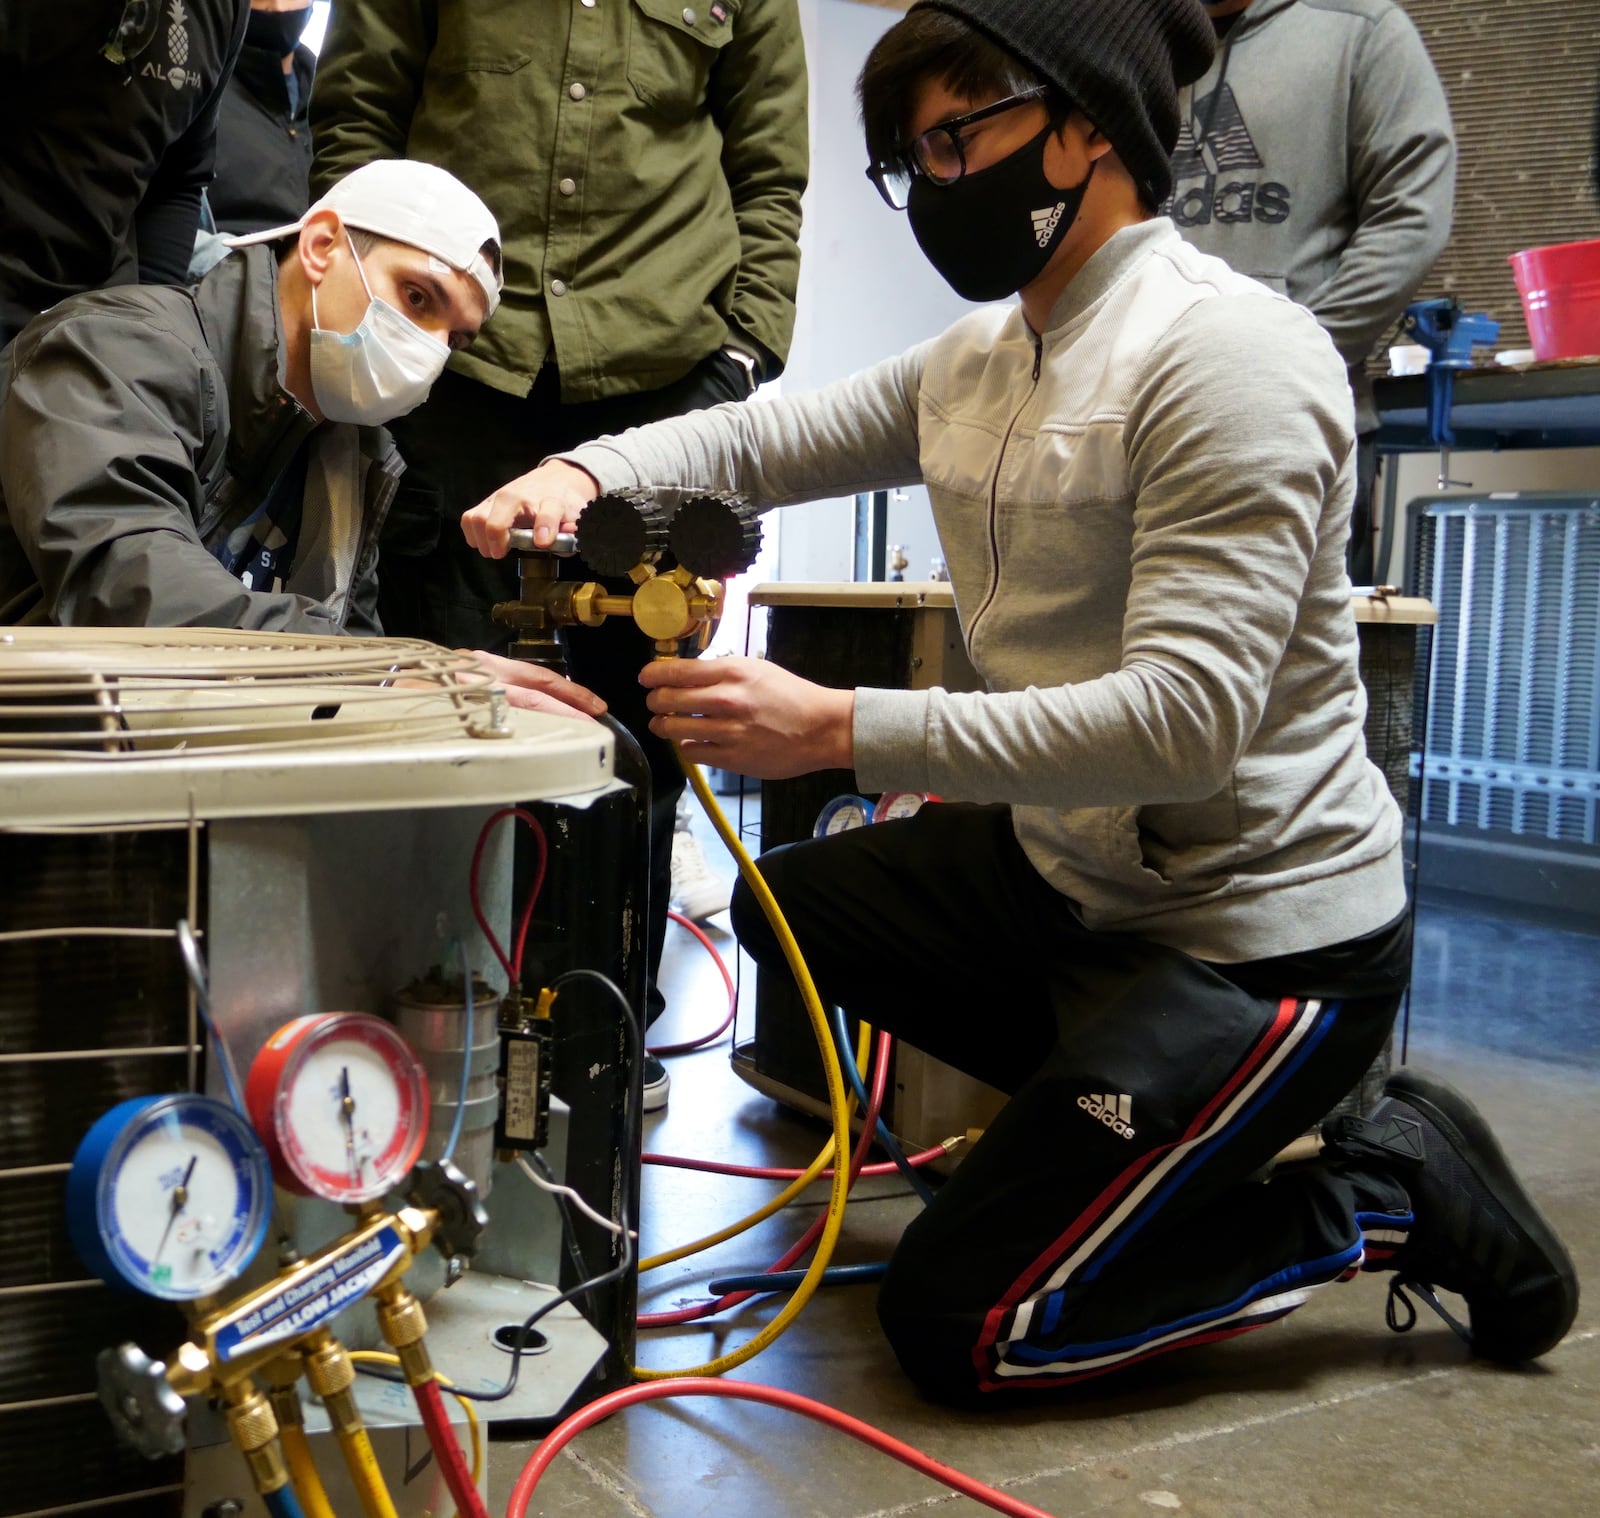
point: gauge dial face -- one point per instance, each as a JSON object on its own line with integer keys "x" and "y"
{"x": 345, "y": 1103}
{"x": 841, "y": 815}
{"x": 183, "y": 1198}
{"x": 893, "y": 805}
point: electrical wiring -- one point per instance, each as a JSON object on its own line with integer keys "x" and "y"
{"x": 727, "y": 980}
{"x": 624, "y": 1262}
{"x": 880, "y": 1084}
{"x": 512, "y": 962}
{"x": 789, "y": 1173}
{"x": 475, "y": 1428}
{"x": 555, "y": 1188}
{"x": 698, "y": 1386}
{"x": 766, "y": 1282}
{"x": 838, "y": 1101}
{"x": 189, "y": 952}
{"x": 767, "y": 1209}
{"x": 852, "y": 1070}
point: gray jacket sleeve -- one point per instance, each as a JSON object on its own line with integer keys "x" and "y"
{"x": 98, "y": 464}
{"x": 1403, "y": 174}
{"x": 855, "y": 435}
{"x": 1237, "y": 435}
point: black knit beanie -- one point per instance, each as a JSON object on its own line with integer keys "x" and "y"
{"x": 1121, "y": 62}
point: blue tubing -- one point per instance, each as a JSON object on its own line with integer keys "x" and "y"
{"x": 788, "y": 1280}
{"x": 847, "y": 1059}
{"x": 283, "y": 1503}
{"x": 466, "y": 1061}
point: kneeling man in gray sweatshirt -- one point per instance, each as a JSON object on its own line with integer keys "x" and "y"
{"x": 1162, "y": 905}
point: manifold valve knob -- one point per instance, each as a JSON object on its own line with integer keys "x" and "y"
{"x": 716, "y": 537}
{"x": 620, "y": 531}
{"x": 441, "y": 1188}
{"x": 144, "y": 1409}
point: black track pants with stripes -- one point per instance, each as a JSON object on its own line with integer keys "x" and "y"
{"x": 1108, "y": 1214}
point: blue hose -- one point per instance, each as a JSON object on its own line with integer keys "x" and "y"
{"x": 283, "y": 1503}
{"x": 841, "y": 1032}
{"x": 788, "y": 1280}
{"x": 466, "y": 1061}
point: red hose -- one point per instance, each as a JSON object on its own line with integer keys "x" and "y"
{"x": 727, "y": 980}
{"x": 781, "y": 1173}
{"x": 744, "y": 1391}
{"x": 447, "y": 1451}
{"x": 880, "y": 1086}
{"x": 512, "y": 963}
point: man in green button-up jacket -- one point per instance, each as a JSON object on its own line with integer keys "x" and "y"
{"x": 645, "y": 159}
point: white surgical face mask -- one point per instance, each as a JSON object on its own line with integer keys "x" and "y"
{"x": 382, "y": 370}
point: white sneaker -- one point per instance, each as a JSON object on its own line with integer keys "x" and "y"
{"x": 657, "y": 1083}
{"x": 696, "y": 892}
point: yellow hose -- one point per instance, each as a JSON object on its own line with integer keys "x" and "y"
{"x": 783, "y": 1198}
{"x": 380, "y": 1357}
{"x": 303, "y": 1475}
{"x": 362, "y": 1463}
{"x": 838, "y": 1104}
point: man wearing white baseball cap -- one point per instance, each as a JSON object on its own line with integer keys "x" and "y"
{"x": 215, "y": 456}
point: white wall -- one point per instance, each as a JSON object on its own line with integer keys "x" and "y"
{"x": 866, "y": 291}
{"x": 1529, "y": 469}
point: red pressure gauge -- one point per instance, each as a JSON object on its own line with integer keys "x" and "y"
{"x": 341, "y": 1104}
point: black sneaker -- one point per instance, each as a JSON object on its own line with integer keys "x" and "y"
{"x": 1477, "y": 1231}
{"x": 656, "y": 1084}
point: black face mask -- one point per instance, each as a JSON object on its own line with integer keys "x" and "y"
{"x": 276, "y": 32}
{"x": 992, "y": 232}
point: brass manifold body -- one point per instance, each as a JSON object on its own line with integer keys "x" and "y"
{"x": 669, "y": 606}
{"x": 233, "y": 1343}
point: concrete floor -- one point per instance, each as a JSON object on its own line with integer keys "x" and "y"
{"x": 1323, "y": 1414}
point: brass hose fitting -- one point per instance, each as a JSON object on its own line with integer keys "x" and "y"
{"x": 255, "y": 1432}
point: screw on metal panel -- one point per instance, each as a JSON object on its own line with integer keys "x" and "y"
{"x": 229, "y": 1507}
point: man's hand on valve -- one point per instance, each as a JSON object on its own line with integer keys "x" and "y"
{"x": 537, "y": 689}
{"x": 549, "y": 499}
{"x": 750, "y": 716}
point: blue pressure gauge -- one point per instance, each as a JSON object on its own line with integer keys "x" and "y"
{"x": 170, "y": 1196}
{"x": 841, "y": 815}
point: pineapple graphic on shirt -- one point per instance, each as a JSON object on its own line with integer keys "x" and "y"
{"x": 177, "y": 34}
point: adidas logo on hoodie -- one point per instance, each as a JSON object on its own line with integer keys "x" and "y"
{"x": 1045, "y": 223}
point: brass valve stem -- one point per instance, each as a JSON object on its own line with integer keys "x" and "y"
{"x": 281, "y": 1376}
{"x": 255, "y": 1432}
{"x": 404, "y": 1324}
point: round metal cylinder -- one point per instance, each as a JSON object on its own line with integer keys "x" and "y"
{"x": 432, "y": 1016}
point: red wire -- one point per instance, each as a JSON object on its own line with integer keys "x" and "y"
{"x": 880, "y": 1086}
{"x": 727, "y": 980}
{"x": 513, "y": 964}
{"x": 745, "y": 1391}
{"x": 783, "y": 1173}
{"x": 447, "y": 1451}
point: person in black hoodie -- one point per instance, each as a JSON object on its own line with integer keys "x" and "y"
{"x": 108, "y": 109}
{"x": 263, "y": 139}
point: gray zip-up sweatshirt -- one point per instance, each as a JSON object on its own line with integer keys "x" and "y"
{"x": 1144, "y": 512}
{"x": 1317, "y": 156}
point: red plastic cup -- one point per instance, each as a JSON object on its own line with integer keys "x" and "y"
{"x": 1560, "y": 290}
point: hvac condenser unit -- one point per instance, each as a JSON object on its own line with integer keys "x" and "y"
{"x": 311, "y": 804}
{"x": 1510, "y": 759}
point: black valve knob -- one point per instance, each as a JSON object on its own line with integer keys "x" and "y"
{"x": 621, "y": 530}
{"x": 144, "y": 1409}
{"x": 716, "y": 536}
{"x": 443, "y": 1189}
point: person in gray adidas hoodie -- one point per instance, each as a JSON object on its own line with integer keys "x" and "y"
{"x": 1317, "y": 155}
{"x": 1162, "y": 904}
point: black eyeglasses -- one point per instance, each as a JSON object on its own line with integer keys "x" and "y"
{"x": 938, "y": 155}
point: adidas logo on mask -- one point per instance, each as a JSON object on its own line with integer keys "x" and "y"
{"x": 1045, "y": 222}
{"x": 1115, "y": 1111}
